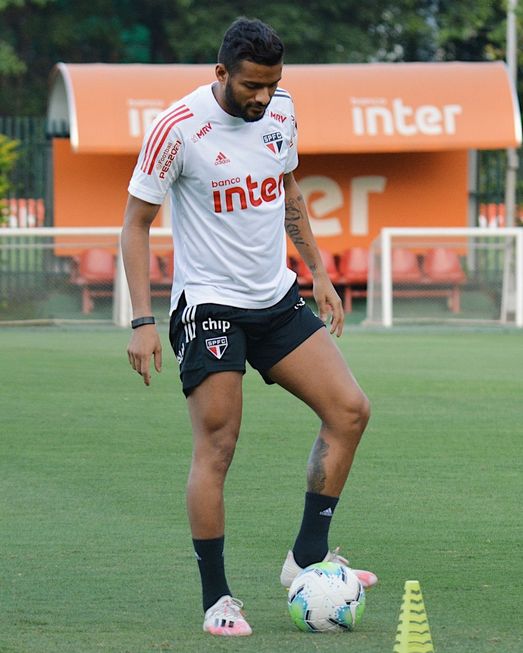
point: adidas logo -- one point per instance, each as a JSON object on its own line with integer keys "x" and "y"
{"x": 327, "y": 512}
{"x": 221, "y": 158}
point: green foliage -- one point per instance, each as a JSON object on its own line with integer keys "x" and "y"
{"x": 35, "y": 34}
{"x": 471, "y": 30}
{"x": 8, "y": 157}
{"x": 10, "y": 63}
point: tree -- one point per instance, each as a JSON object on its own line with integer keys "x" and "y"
{"x": 8, "y": 157}
{"x": 35, "y": 34}
{"x": 471, "y": 30}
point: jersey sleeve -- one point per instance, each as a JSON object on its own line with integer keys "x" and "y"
{"x": 291, "y": 162}
{"x": 160, "y": 160}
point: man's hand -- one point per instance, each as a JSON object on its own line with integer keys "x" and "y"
{"x": 144, "y": 343}
{"x": 329, "y": 303}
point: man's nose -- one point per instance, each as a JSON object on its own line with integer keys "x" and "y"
{"x": 262, "y": 96}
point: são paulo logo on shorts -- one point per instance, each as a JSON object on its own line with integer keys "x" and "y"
{"x": 217, "y": 346}
{"x": 273, "y": 141}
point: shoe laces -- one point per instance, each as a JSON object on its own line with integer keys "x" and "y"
{"x": 231, "y": 609}
{"x": 336, "y": 557}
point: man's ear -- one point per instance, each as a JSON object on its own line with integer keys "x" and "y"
{"x": 221, "y": 73}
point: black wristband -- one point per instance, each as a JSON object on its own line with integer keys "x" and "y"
{"x": 141, "y": 321}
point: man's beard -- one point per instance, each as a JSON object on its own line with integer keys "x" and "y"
{"x": 237, "y": 109}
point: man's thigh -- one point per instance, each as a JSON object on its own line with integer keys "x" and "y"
{"x": 215, "y": 407}
{"x": 280, "y": 329}
{"x": 317, "y": 373}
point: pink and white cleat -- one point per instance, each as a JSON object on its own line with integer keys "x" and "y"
{"x": 291, "y": 569}
{"x": 225, "y": 618}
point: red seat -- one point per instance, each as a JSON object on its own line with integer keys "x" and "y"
{"x": 161, "y": 275}
{"x": 169, "y": 267}
{"x": 442, "y": 265}
{"x": 354, "y": 271}
{"x": 354, "y": 265}
{"x": 439, "y": 276}
{"x": 291, "y": 263}
{"x": 96, "y": 265}
{"x": 155, "y": 271}
{"x": 94, "y": 272}
{"x": 405, "y": 267}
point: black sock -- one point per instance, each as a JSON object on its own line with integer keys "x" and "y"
{"x": 209, "y": 554}
{"x": 312, "y": 543}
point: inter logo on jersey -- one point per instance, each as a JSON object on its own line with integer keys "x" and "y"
{"x": 233, "y": 193}
{"x": 217, "y": 346}
{"x": 273, "y": 141}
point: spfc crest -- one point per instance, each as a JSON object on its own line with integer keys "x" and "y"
{"x": 217, "y": 346}
{"x": 273, "y": 141}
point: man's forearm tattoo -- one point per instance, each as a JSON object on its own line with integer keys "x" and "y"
{"x": 316, "y": 474}
{"x": 293, "y": 217}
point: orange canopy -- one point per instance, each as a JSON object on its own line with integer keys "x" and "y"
{"x": 340, "y": 108}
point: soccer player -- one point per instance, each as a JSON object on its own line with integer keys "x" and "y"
{"x": 226, "y": 154}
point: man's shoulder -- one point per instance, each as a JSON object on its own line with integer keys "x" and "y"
{"x": 186, "y": 111}
{"x": 281, "y": 108}
{"x": 197, "y": 99}
{"x": 282, "y": 102}
{"x": 282, "y": 96}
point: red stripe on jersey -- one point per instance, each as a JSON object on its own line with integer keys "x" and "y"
{"x": 168, "y": 127}
{"x": 158, "y": 132}
{"x": 154, "y": 134}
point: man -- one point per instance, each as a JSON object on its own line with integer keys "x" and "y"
{"x": 226, "y": 154}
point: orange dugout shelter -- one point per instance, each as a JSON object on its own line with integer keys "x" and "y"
{"x": 381, "y": 145}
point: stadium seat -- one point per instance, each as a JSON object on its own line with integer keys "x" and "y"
{"x": 168, "y": 267}
{"x": 161, "y": 272}
{"x": 442, "y": 266}
{"x": 291, "y": 263}
{"x": 405, "y": 267}
{"x": 155, "y": 270}
{"x": 94, "y": 271}
{"x": 439, "y": 275}
{"x": 354, "y": 272}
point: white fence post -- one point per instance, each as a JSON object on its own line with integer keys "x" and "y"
{"x": 519, "y": 278}
{"x": 122, "y": 309}
{"x": 386, "y": 278}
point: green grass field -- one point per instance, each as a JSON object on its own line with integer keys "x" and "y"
{"x": 95, "y": 553}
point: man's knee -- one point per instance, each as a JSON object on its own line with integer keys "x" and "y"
{"x": 221, "y": 453}
{"x": 350, "y": 415}
{"x": 363, "y": 410}
{"x": 215, "y": 446}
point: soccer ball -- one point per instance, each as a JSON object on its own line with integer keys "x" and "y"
{"x": 326, "y": 596}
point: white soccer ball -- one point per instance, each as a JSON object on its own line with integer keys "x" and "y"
{"x": 326, "y": 596}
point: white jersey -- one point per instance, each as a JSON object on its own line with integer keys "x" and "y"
{"x": 225, "y": 178}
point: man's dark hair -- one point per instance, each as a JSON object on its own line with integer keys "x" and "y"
{"x": 250, "y": 40}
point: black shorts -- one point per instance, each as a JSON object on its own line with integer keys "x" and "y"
{"x": 210, "y": 338}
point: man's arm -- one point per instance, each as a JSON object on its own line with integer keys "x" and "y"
{"x": 299, "y": 231}
{"x": 145, "y": 341}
